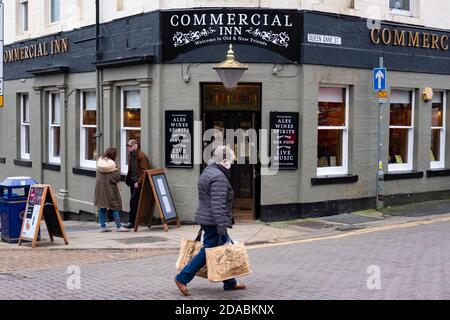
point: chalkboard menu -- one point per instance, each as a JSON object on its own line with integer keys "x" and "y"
{"x": 179, "y": 138}
{"x": 284, "y": 140}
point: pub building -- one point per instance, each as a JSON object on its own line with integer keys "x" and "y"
{"x": 309, "y": 78}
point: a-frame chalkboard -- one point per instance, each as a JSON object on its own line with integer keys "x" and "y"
{"x": 156, "y": 188}
{"x": 41, "y": 203}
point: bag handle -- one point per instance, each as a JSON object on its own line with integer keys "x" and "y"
{"x": 226, "y": 237}
{"x": 199, "y": 235}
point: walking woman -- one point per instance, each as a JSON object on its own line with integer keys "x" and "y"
{"x": 214, "y": 215}
{"x": 107, "y": 194}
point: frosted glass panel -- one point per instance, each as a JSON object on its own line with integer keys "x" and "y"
{"x": 331, "y": 95}
{"x": 400, "y": 96}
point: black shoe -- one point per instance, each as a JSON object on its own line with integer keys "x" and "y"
{"x": 129, "y": 226}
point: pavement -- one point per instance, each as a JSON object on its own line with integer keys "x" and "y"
{"x": 86, "y": 235}
{"x": 363, "y": 255}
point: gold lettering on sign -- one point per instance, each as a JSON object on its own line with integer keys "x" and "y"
{"x": 37, "y": 50}
{"x": 434, "y": 41}
{"x": 425, "y": 40}
{"x": 413, "y": 39}
{"x": 375, "y": 36}
{"x": 386, "y": 40}
{"x": 404, "y": 38}
{"x": 444, "y": 43}
{"x": 399, "y": 38}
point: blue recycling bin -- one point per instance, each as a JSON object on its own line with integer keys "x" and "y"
{"x": 13, "y": 202}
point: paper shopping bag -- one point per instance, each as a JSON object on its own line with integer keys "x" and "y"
{"x": 227, "y": 261}
{"x": 188, "y": 250}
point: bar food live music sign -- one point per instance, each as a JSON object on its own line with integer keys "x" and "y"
{"x": 275, "y": 30}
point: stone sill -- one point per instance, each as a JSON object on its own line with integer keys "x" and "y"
{"x": 317, "y": 181}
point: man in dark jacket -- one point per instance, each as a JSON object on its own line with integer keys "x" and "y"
{"x": 137, "y": 163}
{"x": 214, "y": 215}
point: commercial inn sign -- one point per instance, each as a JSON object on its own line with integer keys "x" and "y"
{"x": 275, "y": 30}
{"x": 36, "y": 50}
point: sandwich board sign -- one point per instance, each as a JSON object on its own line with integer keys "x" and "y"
{"x": 41, "y": 203}
{"x": 155, "y": 189}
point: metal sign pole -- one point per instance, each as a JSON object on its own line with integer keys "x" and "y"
{"x": 380, "y": 173}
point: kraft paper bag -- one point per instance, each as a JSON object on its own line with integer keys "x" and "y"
{"x": 227, "y": 262}
{"x": 188, "y": 250}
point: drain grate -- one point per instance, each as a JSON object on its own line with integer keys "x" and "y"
{"x": 137, "y": 240}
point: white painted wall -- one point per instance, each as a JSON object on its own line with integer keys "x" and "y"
{"x": 78, "y": 13}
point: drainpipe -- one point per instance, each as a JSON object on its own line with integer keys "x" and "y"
{"x": 63, "y": 194}
{"x": 99, "y": 100}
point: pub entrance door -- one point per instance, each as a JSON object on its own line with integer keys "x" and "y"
{"x": 237, "y": 110}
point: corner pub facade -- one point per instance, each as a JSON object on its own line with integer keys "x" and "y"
{"x": 310, "y": 67}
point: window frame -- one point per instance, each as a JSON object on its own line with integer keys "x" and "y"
{"x": 51, "y": 136}
{"x": 83, "y": 131}
{"x": 337, "y": 170}
{"x": 124, "y": 130}
{"x": 396, "y": 167}
{"x": 441, "y": 163}
{"x": 408, "y": 13}
{"x": 50, "y": 11}
{"x": 23, "y": 154}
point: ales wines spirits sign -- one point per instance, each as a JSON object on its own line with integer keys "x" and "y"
{"x": 179, "y": 132}
{"x": 284, "y": 139}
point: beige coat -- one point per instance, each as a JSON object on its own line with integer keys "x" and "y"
{"x": 107, "y": 194}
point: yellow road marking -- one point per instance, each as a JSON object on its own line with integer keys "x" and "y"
{"x": 354, "y": 233}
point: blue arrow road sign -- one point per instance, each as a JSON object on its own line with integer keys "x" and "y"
{"x": 379, "y": 79}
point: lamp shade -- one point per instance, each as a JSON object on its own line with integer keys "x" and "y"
{"x": 230, "y": 71}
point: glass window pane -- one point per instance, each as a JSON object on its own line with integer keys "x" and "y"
{"x": 436, "y": 115}
{"x": 90, "y": 144}
{"x": 25, "y": 109}
{"x": 89, "y": 100}
{"x": 435, "y": 154}
{"x": 401, "y": 114}
{"x": 331, "y": 94}
{"x": 398, "y": 145}
{"x": 331, "y": 114}
{"x": 132, "y": 134}
{"x": 329, "y": 148}
{"x": 400, "y": 96}
{"x": 400, "y": 4}
{"x": 56, "y": 141}
{"x": 56, "y": 108}
{"x": 132, "y": 109}
{"x": 24, "y": 15}
{"x": 54, "y": 10}
{"x": 132, "y": 99}
{"x": 27, "y": 138}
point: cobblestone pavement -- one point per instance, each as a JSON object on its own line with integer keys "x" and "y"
{"x": 414, "y": 263}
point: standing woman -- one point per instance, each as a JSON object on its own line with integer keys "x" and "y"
{"x": 107, "y": 194}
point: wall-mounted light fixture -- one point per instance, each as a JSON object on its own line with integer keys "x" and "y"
{"x": 230, "y": 71}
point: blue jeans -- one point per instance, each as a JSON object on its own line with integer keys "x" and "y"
{"x": 102, "y": 213}
{"x": 210, "y": 239}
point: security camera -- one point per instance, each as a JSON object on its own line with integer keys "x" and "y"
{"x": 275, "y": 70}
{"x": 187, "y": 78}
{"x": 427, "y": 94}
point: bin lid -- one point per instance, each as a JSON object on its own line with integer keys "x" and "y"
{"x": 17, "y": 182}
